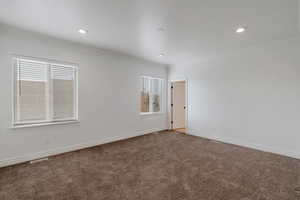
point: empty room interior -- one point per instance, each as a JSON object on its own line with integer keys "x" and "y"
{"x": 149, "y": 100}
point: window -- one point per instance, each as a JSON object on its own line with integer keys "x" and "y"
{"x": 44, "y": 92}
{"x": 151, "y": 95}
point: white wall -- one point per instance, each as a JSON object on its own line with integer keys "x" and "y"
{"x": 250, "y": 98}
{"x": 108, "y": 97}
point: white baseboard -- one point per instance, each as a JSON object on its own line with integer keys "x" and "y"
{"x": 52, "y": 152}
{"x": 265, "y": 148}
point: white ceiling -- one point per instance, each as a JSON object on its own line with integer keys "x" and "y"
{"x": 194, "y": 30}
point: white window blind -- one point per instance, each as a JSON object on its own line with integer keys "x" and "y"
{"x": 62, "y": 72}
{"x": 44, "y": 92}
{"x": 63, "y": 92}
{"x": 31, "y": 71}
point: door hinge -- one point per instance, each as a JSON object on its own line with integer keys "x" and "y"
{"x": 172, "y": 87}
{"x": 172, "y": 105}
{"x": 172, "y": 122}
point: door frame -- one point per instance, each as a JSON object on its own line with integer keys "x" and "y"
{"x": 170, "y": 100}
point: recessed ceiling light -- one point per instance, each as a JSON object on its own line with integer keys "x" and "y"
{"x": 161, "y": 29}
{"x": 240, "y": 30}
{"x": 82, "y": 31}
{"x": 161, "y": 55}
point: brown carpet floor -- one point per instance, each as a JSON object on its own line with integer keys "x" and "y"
{"x": 164, "y": 166}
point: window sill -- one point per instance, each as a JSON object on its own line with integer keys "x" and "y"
{"x": 152, "y": 113}
{"x": 16, "y": 126}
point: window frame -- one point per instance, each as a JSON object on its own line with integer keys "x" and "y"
{"x": 162, "y": 97}
{"x": 49, "y": 115}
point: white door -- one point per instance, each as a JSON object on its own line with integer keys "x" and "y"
{"x": 179, "y": 104}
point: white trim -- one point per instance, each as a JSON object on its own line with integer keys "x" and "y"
{"x": 49, "y": 111}
{"x": 52, "y": 152}
{"x": 186, "y": 100}
{"x": 238, "y": 142}
{"x": 151, "y": 77}
{"x": 152, "y": 113}
{"x": 162, "y": 95}
{"x": 45, "y": 123}
{"x": 44, "y": 60}
{"x": 39, "y": 160}
{"x": 70, "y": 148}
{"x": 76, "y": 92}
{"x": 13, "y": 91}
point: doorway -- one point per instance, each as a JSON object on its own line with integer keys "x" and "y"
{"x": 179, "y": 106}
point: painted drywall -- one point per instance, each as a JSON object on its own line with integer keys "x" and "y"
{"x": 109, "y": 97}
{"x": 250, "y": 98}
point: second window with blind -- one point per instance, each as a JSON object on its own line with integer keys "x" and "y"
{"x": 44, "y": 92}
{"x": 151, "y": 95}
